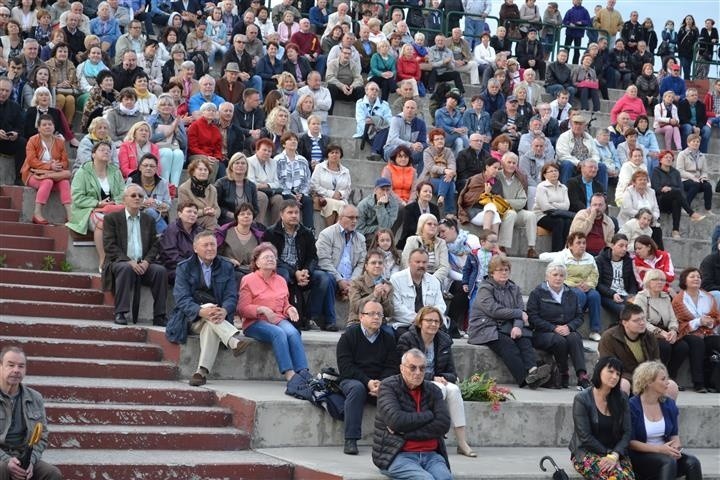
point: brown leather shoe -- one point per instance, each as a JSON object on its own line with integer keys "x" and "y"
{"x": 197, "y": 380}
{"x": 532, "y": 253}
{"x": 242, "y": 345}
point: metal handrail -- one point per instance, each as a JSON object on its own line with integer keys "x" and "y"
{"x": 698, "y": 61}
{"x": 457, "y": 13}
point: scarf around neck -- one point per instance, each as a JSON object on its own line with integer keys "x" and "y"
{"x": 198, "y": 187}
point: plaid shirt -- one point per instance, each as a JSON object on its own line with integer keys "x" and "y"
{"x": 294, "y": 175}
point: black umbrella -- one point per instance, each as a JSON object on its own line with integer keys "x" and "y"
{"x": 34, "y": 439}
{"x": 559, "y": 473}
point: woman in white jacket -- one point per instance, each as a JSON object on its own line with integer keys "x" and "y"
{"x": 639, "y": 195}
{"x": 635, "y": 163}
{"x": 552, "y": 205}
{"x": 667, "y": 121}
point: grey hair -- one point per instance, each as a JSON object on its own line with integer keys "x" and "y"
{"x": 207, "y": 77}
{"x": 552, "y": 267}
{"x": 33, "y": 102}
{"x": 187, "y": 64}
{"x": 133, "y": 186}
{"x": 493, "y": 82}
{"x": 413, "y": 353}
{"x": 208, "y": 106}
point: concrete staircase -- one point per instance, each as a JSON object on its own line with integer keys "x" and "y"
{"x": 116, "y": 411}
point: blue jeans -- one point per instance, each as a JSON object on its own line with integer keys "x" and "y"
{"x": 714, "y": 122}
{"x": 418, "y": 466}
{"x": 686, "y": 63}
{"x": 474, "y": 27}
{"x": 285, "y": 340}
{"x": 554, "y": 89}
{"x": 255, "y": 82}
{"x": 686, "y": 129}
{"x": 322, "y": 296}
{"x": 356, "y": 395}
{"x": 567, "y": 171}
{"x": 590, "y": 300}
{"x": 160, "y": 223}
{"x": 447, "y": 190}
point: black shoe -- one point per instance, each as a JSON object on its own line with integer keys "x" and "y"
{"x": 538, "y": 376}
{"x": 583, "y": 381}
{"x": 120, "y": 319}
{"x": 375, "y": 158}
{"x": 330, "y": 328}
{"x": 351, "y": 447}
{"x": 160, "y": 321}
{"x": 564, "y": 380}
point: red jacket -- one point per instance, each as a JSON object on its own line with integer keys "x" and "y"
{"x": 308, "y": 43}
{"x": 408, "y": 68}
{"x": 662, "y": 262}
{"x": 709, "y": 105}
{"x": 204, "y": 139}
{"x": 127, "y": 156}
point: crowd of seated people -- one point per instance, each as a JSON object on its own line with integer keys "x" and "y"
{"x": 245, "y": 146}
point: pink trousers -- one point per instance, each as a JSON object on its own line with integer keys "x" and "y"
{"x": 44, "y": 187}
{"x": 671, "y": 133}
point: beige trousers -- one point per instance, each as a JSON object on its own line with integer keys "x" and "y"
{"x": 211, "y": 334}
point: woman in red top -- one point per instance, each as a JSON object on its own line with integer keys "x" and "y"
{"x": 630, "y": 103}
{"x": 648, "y": 256}
{"x": 408, "y": 67}
{"x": 205, "y": 140}
{"x": 265, "y": 307}
{"x": 46, "y": 167}
{"x": 136, "y": 144}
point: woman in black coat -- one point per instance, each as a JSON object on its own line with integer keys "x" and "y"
{"x": 615, "y": 292}
{"x": 426, "y": 336}
{"x": 413, "y": 210}
{"x": 555, "y": 316}
{"x": 296, "y": 64}
{"x": 227, "y": 188}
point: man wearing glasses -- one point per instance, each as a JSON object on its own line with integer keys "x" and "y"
{"x": 410, "y": 423}
{"x": 131, "y": 245}
{"x": 366, "y": 354}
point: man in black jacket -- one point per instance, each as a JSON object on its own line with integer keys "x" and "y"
{"x": 250, "y": 118}
{"x": 366, "y": 354}
{"x": 559, "y": 76}
{"x": 124, "y": 74}
{"x": 693, "y": 119}
{"x": 582, "y": 187}
{"x": 530, "y": 53}
{"x": 411, "y": 421}
{"x": 11, "y": 142}
{"x": 297, "y": 261}
{"x": 470, "y": 161}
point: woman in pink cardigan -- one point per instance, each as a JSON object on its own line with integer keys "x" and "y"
{"x": 265, "y": 307}
{"x": 630, "y": 103}
{"x": 136, "y": 144}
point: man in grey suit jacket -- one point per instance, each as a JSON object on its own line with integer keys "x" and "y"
{"x": 131, "y": 246}
{"x": 341, "y": 252}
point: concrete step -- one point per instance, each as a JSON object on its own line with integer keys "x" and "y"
{"x": 118, "y": 414}
{"x": 5, "y": 202}
{"x": 12, "y": 227}
{"x": 544, "y": 417}
{"x": 134, "y": 391}
{"x": 20, "y": 326}
{"x": 82, "y": 367}
{"x": 52, "y": 294}
{"x": 80, "y": 464}
{"x": 492, "y": 463}
{"x": 128, "y": 437}
{"x": 691, "y": 230}
{"x": 32, "y": 259}
{"x": 50, "y": 279}
{"x": 86, "y": 349}
{"x": 30, "y": 243}
{"x": 9, "y": 215}
{"x": 57, "y": 310}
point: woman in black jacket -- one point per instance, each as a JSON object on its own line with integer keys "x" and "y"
{"x": 602, "y": 426}
{"x": 426, "y": 336}
{"x": 555, "y": 315}
{"x": 616, "y": 288}
{"x": 688, "y": 36}
{"x": 227, "y": 190}
{"x": 413, "y": 210}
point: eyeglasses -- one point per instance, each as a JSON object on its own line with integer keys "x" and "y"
{"x": 415, "y": 368}
{"x": 351, "y": 217}
{"x": 136, "y": 195}
{"x": 373, "y": 314}
{"x": 267, "y": 257}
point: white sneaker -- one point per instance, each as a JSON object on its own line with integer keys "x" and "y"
{"x": 594, "y": 336}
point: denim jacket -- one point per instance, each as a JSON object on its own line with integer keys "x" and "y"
{"x": 33, "y": 411}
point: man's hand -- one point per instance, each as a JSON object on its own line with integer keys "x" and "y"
{"x": 373, "y": 387}
{"x": 16, "y": 472}
{"x": 617, "y": 298}
{"x": 344, "y": 287}
{"x": 562, "y": 330}
{"x": 516, "y": 332}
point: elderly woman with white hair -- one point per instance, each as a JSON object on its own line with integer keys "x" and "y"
{"x": 555, "y": 315}
{"x": 655, "y": 448}
{"x": 205, "y": 140}
{"x": 661, "y": 320}
{"x": 427, "y": 238}
{"x": 41, "y": 104}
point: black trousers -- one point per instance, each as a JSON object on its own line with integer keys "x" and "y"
{"x": 560, "y": 228}
{"x": 656, "y": 466}
{"x": 672, "y": 355}
{"x": 337, "y": 94}
{"x": 154, "y": 277}
{"x": 15, "y": 149}
{"x": 434, "y": 77}
{"x": 700, "y": 348}
{"x": 673, "y": 202}
{"x": 561, "y": 348}
{"x": 518, "y": 355}
{"x": 458, "y": 309}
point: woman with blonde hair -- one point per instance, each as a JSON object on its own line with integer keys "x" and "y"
{"x": 198, "y": 190}
{"x": 234, "y": 189}
{"x": 426, "y": 237}
{"x": 667, "y": 121}
{"x": 383, "y": 69}
{"x": 426, "y": 336}
{"x": 168, "y": 133}
{"x": 136, "y": 144}
{"x": 276, "y": 125}
{"x": 301, "y": 115}
{"x": 98, "y": 131}
{"x": 288, "y": 88}
{"x": 655, "y": 448}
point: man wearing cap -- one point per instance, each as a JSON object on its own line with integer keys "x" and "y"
{"x": 510, "y": 122}
{"x": 443, "y": 65}
{"x": 229, "y": 86}
{"x": 673, "y": 82}
{"x": 530, "y": 52}
{"x": 379, "y": 210}
{"x": 450, "y": 119}
{"x": 575, "y": 146}
{"x": 409, "y": 130}
{"x": 244, "y": 61}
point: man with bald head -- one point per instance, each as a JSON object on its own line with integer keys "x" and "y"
{"x": 408, "y": 130}
{"x": 74, "y": 37}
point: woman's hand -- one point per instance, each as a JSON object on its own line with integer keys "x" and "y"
{"x": 669, "y": 450}
{"x": 440, "y": 380}
{"x": 209, "y": 211}
{"x": 293, "y": 314}
{"x": 337, "y": 196}
{"x": 617, "y": 298}
{"x": 607, "y": 464}
{"x": 466, "y": 288}
{"x": 268, "y": 313}
{"x": 488, "y": 187}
